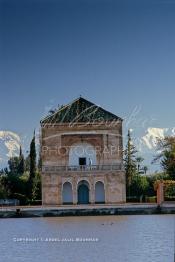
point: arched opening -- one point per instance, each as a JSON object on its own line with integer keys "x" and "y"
{"x": 82, "y": 154}
{"x": 67, "y": 196}
{"x": 83, "y": 192}
{"x": 99, "y": 192}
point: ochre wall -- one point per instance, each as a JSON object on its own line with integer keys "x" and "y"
{"x": 56, "y": 140}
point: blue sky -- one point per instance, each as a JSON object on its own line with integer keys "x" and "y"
{"x": 118, "y": 54}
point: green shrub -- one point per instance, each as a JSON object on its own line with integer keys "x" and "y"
{"x": 134, "y": 199}
{"x": 152, "y": 199}
{"x": 35, "y": 202}
{"x": 22, "y": 198}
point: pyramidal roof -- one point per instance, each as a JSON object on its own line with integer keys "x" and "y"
{"x": 80, "y": 110}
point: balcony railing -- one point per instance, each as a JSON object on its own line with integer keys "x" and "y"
{"x": 82, "y": 168}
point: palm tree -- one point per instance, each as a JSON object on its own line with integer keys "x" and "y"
{"x": 145, "y": 169}
{"x": 139, "y": 160}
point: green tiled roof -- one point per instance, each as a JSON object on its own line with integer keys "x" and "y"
{"x": 80, "y": 110}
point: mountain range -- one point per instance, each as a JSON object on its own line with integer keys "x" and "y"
{"x": 146, "y": 143}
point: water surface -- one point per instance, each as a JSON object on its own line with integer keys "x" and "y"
{"x": 114, "y": 238}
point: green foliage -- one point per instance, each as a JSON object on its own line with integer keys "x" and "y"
{"x": 139, "y": 185}
{"x": 21, "y": 180}
{"x": 15, "y": 184}
{"x": 152, "y": 199}
{"x": 3, "y": 189}
{"x": 36, "y": 190}
{"x": 136, "y": 185}
{"x": 129, "y": 162}
{"x": 25, "y": 177}
{"x": 21, "y": 162}
{"x": 167, "y": 156}
{"x": 13, "y": 164}
{"x": 32, "y": 158}
{"x": 40, "y": 160}
{"x": 170, "y": 191}
{"x": 22, "y": 198}
{"x": 32, "y": 166}
{"x": 16, "y": 164}
{"x": 143, "y": 184}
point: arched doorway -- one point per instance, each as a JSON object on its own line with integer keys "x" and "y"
{"x": 67, "y": 196}
{"x": 83, "y": 192}
{"x": 99, "y": 192}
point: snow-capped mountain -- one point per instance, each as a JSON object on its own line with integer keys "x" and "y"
{"x": 148, "y": 141}
{"x": 146, "y": 144}
{"x": 145, "y": 141}
{"x": 9, "y": 145}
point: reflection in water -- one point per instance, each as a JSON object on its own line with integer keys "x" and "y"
{"x": 120, "y": 239}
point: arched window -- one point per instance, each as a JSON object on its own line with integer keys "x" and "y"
{"x": 99, "y": 192}
{"x": 67, "y": 196}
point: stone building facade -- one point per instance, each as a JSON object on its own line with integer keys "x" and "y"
{"x": 82, "y": 156}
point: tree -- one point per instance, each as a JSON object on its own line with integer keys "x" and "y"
{"x": 27, "y": 163}
{"x": 21, "y": 163}
{"x": 139, "y": 186}
{"x": 22, "y": 179}
{"x": 13, "y": 165}
{"x": 39, "y": 164}
{"x": 145, "y": 169}
{"x": 3, "y": 188}
{"x": 129, "y": 162}
{"x": 36, "y": 190}
{"x": 32, "y": 165}
{"x": 16, "y": 164}
{"x": 139, "y": 160}
{"x": 166, "y": 147}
